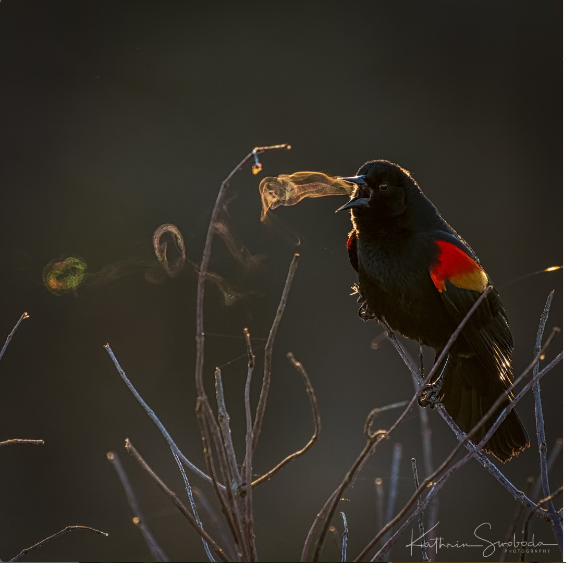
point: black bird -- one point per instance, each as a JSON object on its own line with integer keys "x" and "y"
{"x": 420, "y": 277}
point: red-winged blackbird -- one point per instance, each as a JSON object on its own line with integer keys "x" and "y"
{"x": 419, "y": 276}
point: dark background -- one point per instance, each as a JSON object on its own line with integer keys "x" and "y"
{"x": 117, "y": 117}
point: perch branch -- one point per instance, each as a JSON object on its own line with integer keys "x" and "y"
{"x": 442, "y": 480}
{"x": 344, "y": 538}
{"x": 419, "y": 506}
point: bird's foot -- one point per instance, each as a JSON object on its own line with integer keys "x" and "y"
{"x": 430, "y": 395}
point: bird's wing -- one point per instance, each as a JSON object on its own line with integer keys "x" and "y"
{"x": 460, "y": 280}
{"x": 352, "y": 247}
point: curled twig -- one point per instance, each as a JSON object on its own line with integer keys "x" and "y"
{"x": 317, "y": 424}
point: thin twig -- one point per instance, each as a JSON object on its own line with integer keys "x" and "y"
{"x": 327, "y": 511}
{"x": 226, "y": 506}
{"x": 172, "y": 445}
{"x": 224, "y": 421}
{"x": 542, "y": 501}
{"x": 215, "y": 521}
{"x": 554, "y": 455}
{"x": 435, "y": 488}
{"x": 203, "y": 270}
{"x": 248, "y": 505}
{"x": 419, "y": 505}
{"x": 379, "y": 503}
{"x": 515, "y": 519}
{"x": 541, "y": 437}
{"x": 60, "y": 533}
{"x": 336, "y": 539}
{"x": 176, "y": 501}
{"x": 16, "y": 441}
{"x": 260, "y": 411}
{"x": 393, "y": 485}
{"x": 317, "y": 424}
{"x": 153, "y": 416}
{"x": 426, "y": 433}
{"x": 344, "y": 538}
{"x": 156, "y": 551}
{"x": 326, "y": 514}
{"x": 11, "y": 335}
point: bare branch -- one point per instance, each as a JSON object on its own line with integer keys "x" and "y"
{"x": 248, "y": 505}
{"x": 176, "y": 501}
{"x": 203, "y": 270}
{"x": 224, "y": 421}
{"x": 153, "y": 416}
{"x": 260, "y": 411}
{"x": 515, "y": 520}
{"x": 344, "y": 538}
{"x": 16, "y": 441}
{"x": 172, "y": 445}
{"x": 419, "y": 505}
{"x": 393, "y": 485}
{"x": 541, "y": 437}
{"x": 317, "y": 424}
{"x": 60, "y": 533}
{"x": 156, "y": 551}
{"x": 225, "y": 504}
{"x": 11, "y": 335}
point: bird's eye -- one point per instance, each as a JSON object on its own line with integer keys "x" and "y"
{"x": 384, "y": 186}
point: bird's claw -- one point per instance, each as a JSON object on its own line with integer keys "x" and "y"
{"x": 430, "y": 396}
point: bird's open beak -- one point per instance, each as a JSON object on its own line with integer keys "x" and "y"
{"x": 356, "y": 201}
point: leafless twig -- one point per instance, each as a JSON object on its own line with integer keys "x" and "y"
{"x": 60, "y": 533}
{"x": 393, "y": 484}
{"x": 515, "y": 520}
{"x": 176, "y": 501}
{"x": 541, "y": 437}
{"x": 11, "y": 335}
{"x": 138, "y": 520}
{"x": 248, "y": 510}
{"x": 172, "y": 445}
{"x": 224, "y": 421}
{"x": 419, "y": 505}
{"x": 260, "y": 411}
{"x": 344, "y": 538}
{"x": 545, "y": 500}
{"x": 16, "y": 441}
{"x": 317, "y": 424}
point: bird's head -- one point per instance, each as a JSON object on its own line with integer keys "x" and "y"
{"x": 384, "y": 190}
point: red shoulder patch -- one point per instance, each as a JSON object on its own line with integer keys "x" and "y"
{"x": 350, "y": 240}
{"x": 458, "y": 268}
